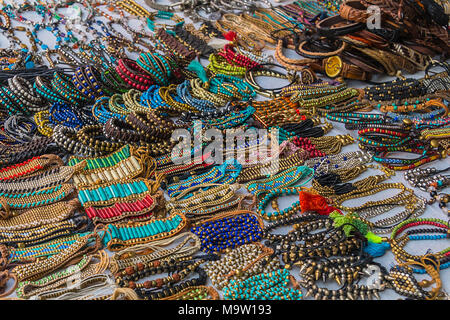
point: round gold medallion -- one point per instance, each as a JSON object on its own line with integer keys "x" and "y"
{"x": 333, "y": 66}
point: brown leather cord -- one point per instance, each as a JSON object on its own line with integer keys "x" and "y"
{"x": 5, "y": 276}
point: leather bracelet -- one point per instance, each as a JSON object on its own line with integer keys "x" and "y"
{"x": 300, "y": 49}
{"x": 337, "y": 26}
{"x": 354, "y": 11}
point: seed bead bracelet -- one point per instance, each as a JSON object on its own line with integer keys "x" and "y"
{"x": 46, "y": 232}
{"x": 281, "y": 180}
{"x": 85, "y": 81}
{"x": 36, "y": 217}
{"x": 101, "y": 112}
{"x": 12, "y": 203}
{"x": 188, "y": 245}
{"x": 86, "y": 267}
{"x": 219, "y": 65}
{"x": 327, "y": 145}
{"x": 157, "y": 66}
{"x": 93, "y": 137}
{"x": 439, "y": 230}
{"x": 241, "y": 263}
{"x": 426, "y": 106}
{"x": 43, "y": 89}
{"x": 39, "y": 180}
{"x": 227, "y": 173}
{"x": 175, "y": 173}
{"x": 62, "y": 84}
{"x": 195, "y": 293}
{"x": 88, "y": 244}
{"x": 425, "y": 156}
{"x": 28, "y": 254}
{"x": 29, "y": 167}
{"x": 199, "y": 91}
{"x": 265, "y": 286}
{"x": 208, "y": 195}
{"x": 278, "y": 214}
{"x": 353, "y": 117}
{"x": 23, "y": 91}
{"x": 259, "y": 172}
{"x": 228, "y": 230}
{"x": 123, "y": 235}
{"x": 414, "y": 207}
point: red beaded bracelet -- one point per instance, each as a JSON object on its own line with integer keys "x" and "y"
{"x": 133, "y": 75}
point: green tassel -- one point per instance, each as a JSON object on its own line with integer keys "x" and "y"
{"x": 372, "y": 237}
{"x": 340, "y": 220}
{"x": 196, "y": 67}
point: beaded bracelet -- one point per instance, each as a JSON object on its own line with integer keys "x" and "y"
{"x": 101, "y": 112}
{"x": 66, "y": 138}
{"x": 188, "y": 245}
{"x": 121, "y": 166}
{"x": 425, "y": 179}
{"x": 45, "y": 233}
{"x": 24, "y": 92}
{"x": 146, "y": 208}
{"x": 241, "y": 263}
{"x": 133, "y": 75}
{"x": 86, "y": 267}
{"x": 36, "y": 270}
{"x": 123, "y": 235}
{"x": 40, "y": 251}
{"x": 86, "y": 82}
{"x": 398, "y": 242}
{"x": 157, "y": 66}
{"x": 35, "y": 217}
{"x": 224, "y": 174}
{"x": 265, "y": 286}
{"x": 229, "y": 230}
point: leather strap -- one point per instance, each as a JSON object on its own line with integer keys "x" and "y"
{"x": 337, "y": 26}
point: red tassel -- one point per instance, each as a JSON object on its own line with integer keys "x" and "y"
{"x": 230, "y": 35}
{"x": 316, "y": 203}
